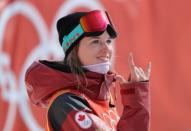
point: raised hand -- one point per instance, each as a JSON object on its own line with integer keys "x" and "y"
{"x": 137, "y": 73}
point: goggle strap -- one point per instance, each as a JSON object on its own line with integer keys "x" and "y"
{"x": 109, "y": 18}
{"x": 72, "y": 37}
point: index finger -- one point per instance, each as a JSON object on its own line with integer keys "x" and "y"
{"x": 130, "y": 60}
{"x": 148, "y": 72}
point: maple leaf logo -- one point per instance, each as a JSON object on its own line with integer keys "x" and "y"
{"x": 81, "y": 117}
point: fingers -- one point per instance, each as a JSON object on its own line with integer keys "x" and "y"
{"x": 142, "y": 74}
{"x": 132, "y": 67}
{"x": 141, "y": 70}
{"x": 137, "y": 73}
{"x": 131, "y": 61}
{"x": 148, "y": 71}
{"x": 134, "y": 74}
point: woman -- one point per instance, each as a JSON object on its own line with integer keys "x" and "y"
{"x": 77, "y": 90}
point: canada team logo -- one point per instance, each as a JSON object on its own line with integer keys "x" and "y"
{"x": 83, "y": 120}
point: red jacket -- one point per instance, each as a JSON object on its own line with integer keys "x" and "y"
{"x": 86, "y": 106}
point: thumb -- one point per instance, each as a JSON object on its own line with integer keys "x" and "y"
{"x": 121, "y": 79}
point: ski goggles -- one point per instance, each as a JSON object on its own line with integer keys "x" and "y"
{"x": 93, "y": 23}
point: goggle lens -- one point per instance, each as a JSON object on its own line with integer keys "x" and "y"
{"x": 95, "y": 21}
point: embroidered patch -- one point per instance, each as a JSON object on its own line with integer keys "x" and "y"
{"x": 83, "y": 120}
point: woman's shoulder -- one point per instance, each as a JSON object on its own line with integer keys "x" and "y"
{"x": 69, "y": 101}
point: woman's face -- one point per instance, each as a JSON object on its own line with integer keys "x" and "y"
{"x": 96, "y": 49}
